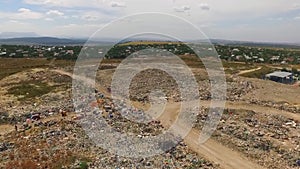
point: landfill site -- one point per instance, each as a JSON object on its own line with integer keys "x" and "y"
{"x": 40, "y": 128}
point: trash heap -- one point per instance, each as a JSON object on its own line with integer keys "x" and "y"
{"x": 62, "y": 143}
{"x": 119, "y": 116}
{"x": 151, "y": 79}
{"x": 271, "y": 140}
{"x": 238, "y": 88}
{"x": 276, "y": 105}
{"x": 48, "y": 76}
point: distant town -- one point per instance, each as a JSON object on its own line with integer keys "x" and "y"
{"x": 245, "y": 54}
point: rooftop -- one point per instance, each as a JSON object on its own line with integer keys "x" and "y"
{"x": 279, "y": 74}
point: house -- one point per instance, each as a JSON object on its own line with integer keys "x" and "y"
{"x": 283, "y": 62}
{"x": 248, "y": 57}
{"x": 289, "y": 59}
{"x": 275, "y": 58}
{"x": 280, "y": 77}
{"x": 3, "y": 53}
{"x": 71, "y": 52}
{"x": 261, "y": 59}
{"x": 239, "y": 57}
{"x": 235, "y": 50}
{"x": 12, "y": 54}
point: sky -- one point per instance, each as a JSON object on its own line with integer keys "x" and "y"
{"x": 255, "y": 20}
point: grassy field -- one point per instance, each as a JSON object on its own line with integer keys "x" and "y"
{"x": 28, "y": 90}
{"x": 190, "y": 60}
{"x": 259, "y": 73}
{"x": 149, "y": 43}
{"x": 9, "y": 66}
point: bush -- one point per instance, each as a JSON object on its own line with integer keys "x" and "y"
{"x": 83, "y": 165}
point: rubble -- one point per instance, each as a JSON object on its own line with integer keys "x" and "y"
{"x": 279, "y": 106}
{"x": 152, "y": 79}
{"x": 51, "y": 144}
{"x": 257, "y": 135}
{"x": 53, "y": 141}
{"x": 4, "y": 146}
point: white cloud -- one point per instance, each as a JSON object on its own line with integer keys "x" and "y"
{"x": 67, "y": 3}
{"x": 14, "y": 21}
{"x": 295, "y": 7}
{"x": 47, "y": 2}
{"x": 204, "y": 6}
{"x": 15, "y": 25}
{"x": 75, "y": 30}
{"x": 24, "y": 10}
{"x": 22, "y": 14}
{"x": 49, "y": 19}
{"x": 222, "y": 14}
{"x": 276, "y": 19}
{"x": 89, "y": 17}
{"x": 27, "y": 14}
{"x": 297, "y": 18}
{"x": 184, "y": 8}
{"x": 96, "y": 16}
{"x": 55, "y": 13}
{"x": 117, "y": 4}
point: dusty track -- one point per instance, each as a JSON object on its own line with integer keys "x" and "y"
{"x": 249, "y": 71}
{"x": 211, "y": 149}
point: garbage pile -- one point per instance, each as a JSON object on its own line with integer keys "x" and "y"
{"x": 49, "y": 135}
{"x": 149, "y": 80}
{"x": 238, "y": 88}
{"x": 258, "y": 135}
{"x": 62, "y": 143}
{"x": 56, "y": 99}
{"x": 279, "y": 106}
{"x": 178, "y": 157}
{"x": 125, "y": 118}
{"x": 48, "y": 76}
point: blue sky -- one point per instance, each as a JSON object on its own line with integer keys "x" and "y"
{"x": 255, "y": 20}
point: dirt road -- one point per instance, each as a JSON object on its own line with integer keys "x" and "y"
{"x": 211, "y": 149}
{"x": 248, "y": 71}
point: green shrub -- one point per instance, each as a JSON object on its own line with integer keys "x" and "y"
{"x": 30, "y": 90}
{"x": 83, "y": 165}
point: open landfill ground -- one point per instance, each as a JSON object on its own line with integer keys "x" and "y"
{"x": 260, "y": 126}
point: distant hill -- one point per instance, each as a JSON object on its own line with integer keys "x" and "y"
{"x": 7, "y": 35}
{"x": 41, "y": 41}
{"x": 51, "y": 41}
{"x": 254, "y": 44}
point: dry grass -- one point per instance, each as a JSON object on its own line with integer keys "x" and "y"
{"x": 259, "y": 73}
{"x": 9, "y": 66}
{"x": 150, "y": 43}
{"x": 28, "y": 90}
